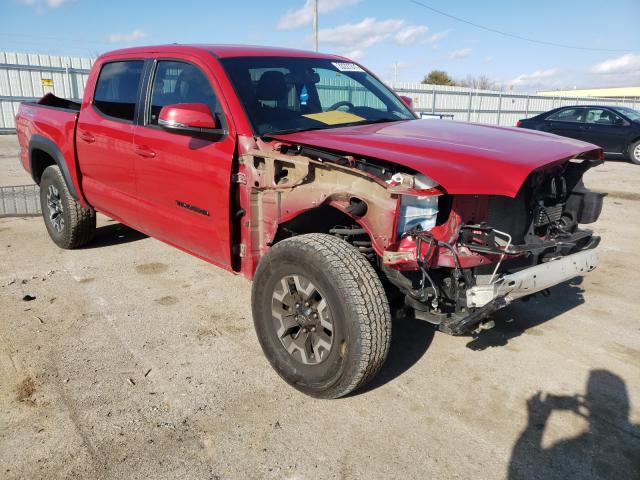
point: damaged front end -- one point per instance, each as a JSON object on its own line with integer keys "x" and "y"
{"x": 487, "y": 251}
{"x": 454, "y": 258}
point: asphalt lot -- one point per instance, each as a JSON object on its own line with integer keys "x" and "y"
{"x": 135, "y": 360}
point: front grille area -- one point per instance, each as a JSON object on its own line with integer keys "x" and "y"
{"x": 547, "y": 215}
{"x": 510, "y": 215}
{"x": 513, "y": 216}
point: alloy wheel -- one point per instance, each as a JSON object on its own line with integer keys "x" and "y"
{"x": 54, "y": 203}
{"x": 302, "y": 319}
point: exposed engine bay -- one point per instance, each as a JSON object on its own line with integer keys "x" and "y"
{"x": 529, "y": 243}
{"x": 452, "y": 258}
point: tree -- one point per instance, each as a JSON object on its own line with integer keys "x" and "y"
{"x": 438, "y": 77}
{"x": 480, "y": 82}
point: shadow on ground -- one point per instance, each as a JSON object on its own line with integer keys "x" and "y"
{"x": 114, "y": 234}
{"x": 409, "y": 341}
{"x": 411, "y": 337}
{"x": 608, "y": 449}
{"x": 522, "y": 315}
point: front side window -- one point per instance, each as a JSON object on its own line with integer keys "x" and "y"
{"x": 179, "y": 82}
{"x": 286, "y": 94}
{"x": 568, "y": 115}
{"x": 601, "y": 116}
{"x": 117, "y": 89}
{"x": 630, "y": 113}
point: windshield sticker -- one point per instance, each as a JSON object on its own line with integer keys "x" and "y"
{"x": 334, "y": 117}
{"x": 347, "y": 67}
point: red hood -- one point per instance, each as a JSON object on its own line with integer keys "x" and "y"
{"x": 464, "y": 158}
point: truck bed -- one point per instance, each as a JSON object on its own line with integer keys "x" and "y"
{"x": 50, "y": 100}
{"x": 48, "y": 126}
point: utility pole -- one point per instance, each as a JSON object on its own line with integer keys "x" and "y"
{"x": 315, "y": 25}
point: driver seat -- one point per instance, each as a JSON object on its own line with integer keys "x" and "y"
{"x": 272, "y": 89}
{"x": 272, "y": 95}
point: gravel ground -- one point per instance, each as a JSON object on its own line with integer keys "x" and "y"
{"x": 134, "y": 360}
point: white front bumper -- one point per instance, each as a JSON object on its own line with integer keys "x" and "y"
{"x": 533, "y": 279}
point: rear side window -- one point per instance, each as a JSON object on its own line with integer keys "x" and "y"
{"x": 601, "y": 116}
{"x": 117, "y": 89}
{"x": 568, "y": 115}
{"x": 179, "y": 82}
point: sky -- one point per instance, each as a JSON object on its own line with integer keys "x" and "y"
{"x": 397, "y": 39}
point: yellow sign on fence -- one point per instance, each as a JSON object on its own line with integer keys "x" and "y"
{"x": 46, "y": 82}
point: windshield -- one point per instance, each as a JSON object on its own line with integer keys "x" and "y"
{"x": 630, "y": 113}
{"x": 285, "y": 94}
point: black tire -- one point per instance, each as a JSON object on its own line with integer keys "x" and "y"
{"x": 634, "y": 152}
{"x": 69, "y": 225}
{"x": 356, "y": 307}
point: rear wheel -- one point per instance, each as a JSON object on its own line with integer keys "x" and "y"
{"x": 69, "y": 224}
{"x": 634, "y": 152}
{"x": 321, "y": 315}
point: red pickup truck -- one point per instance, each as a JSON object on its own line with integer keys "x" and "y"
{"x": 304, "y": 172}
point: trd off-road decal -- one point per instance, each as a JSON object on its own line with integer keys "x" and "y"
{"x": 193, "y": 208}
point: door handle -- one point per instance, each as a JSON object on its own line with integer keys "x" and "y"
{"x": 87, "y": 137}
{"x": 144, "y": 151}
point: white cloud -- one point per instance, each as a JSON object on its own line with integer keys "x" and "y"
{"x": 409, "y": 35}
{"x": 462, "y": 53}
{"x": 535, "y": 79}
{"x": 304, "y": 15}
{"x": 137, "y": 34}
{"x": 41, "y": 5}
{"x": 360, "y": 35}
{"x": 488, "y": 60}
{"x": 50, "y": 3}
{"x": 436, "y": 37}
{"x": 354, "y": 54}
{"x": 628, "y": 63}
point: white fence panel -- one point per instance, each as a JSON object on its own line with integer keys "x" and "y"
{"x": 27, "y": 77}
{"x": 486, "y": 106}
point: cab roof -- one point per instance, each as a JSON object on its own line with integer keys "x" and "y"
{"x": 225, "y": 51}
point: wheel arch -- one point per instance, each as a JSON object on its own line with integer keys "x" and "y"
{"x": 320, "y": 219}
{"x": 43, "y": 153}
{"x": 633, "y": 140}
{"x": 284, "y": 190}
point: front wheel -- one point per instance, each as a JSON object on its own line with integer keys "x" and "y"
{"x": 634, "y": 152}
{"x": 321, "y": 315}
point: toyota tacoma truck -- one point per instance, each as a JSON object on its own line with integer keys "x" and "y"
{"x": 305, "y": 173}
